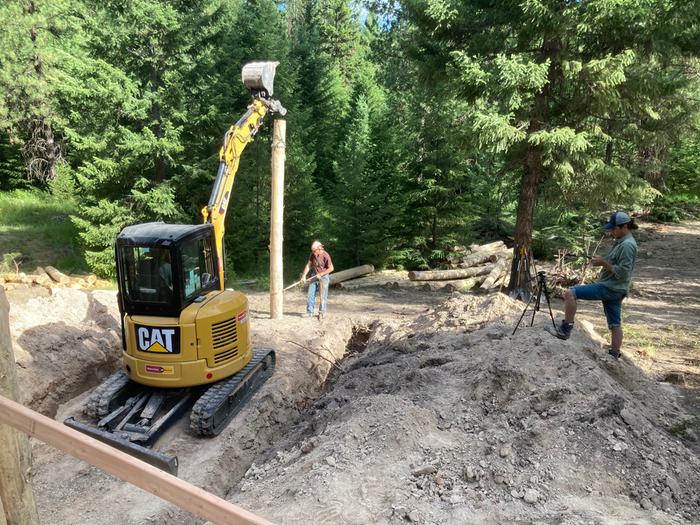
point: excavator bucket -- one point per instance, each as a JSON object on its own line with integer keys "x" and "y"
{"x": 259, "y": 76}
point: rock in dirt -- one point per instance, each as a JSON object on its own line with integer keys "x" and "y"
{"x": 424, "y": 470}
{"x": 531, "y": 496}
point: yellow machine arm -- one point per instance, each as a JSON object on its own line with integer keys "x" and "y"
{"x": 235, "y": 141}
{"x": 258, "y": 78}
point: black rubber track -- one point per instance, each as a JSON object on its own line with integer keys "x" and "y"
{"x": 222, "y": 401}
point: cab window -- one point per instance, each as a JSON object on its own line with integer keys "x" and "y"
{"x": 198, "y": 266}
{"x": 148, "y": 274}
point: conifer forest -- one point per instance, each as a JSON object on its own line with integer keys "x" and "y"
{"x": 412, "y": 125}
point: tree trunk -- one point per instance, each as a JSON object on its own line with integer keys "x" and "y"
{"x": 520, "y": 285}
{"x": 157, "y": 128}
{"x": 41, "y": 151}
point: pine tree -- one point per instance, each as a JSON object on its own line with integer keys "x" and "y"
{"x": 544, "y": 80}
{"x": 31, "y": 48}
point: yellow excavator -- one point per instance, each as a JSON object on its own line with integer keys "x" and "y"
{"x": 186, "y": 338}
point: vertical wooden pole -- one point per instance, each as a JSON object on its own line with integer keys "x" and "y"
{"x": 277, "y": 220}
{"x": 3, "y": 521}
{"x": 15, "y": 455}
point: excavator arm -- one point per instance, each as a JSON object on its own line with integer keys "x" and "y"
{"x": 258, "y": 77}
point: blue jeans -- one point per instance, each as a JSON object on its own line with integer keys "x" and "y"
{"x": 313, "y": 286}
{"x": 612, "y": 300}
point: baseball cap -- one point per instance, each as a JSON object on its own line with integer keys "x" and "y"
{"x": 618, "y": 218}
{"x": 315, "y": 245}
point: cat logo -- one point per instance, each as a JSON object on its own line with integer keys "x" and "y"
{"x": 158, "y": 340}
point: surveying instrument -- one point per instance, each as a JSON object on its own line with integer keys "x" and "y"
{"x": 537, "y": 296}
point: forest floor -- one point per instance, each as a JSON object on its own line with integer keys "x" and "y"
{"x": 433, "y": 411}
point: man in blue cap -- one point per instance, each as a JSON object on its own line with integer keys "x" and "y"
{"x": 612, "y": 285}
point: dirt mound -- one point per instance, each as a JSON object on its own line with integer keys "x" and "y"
{"x": 64, "y": 344}
{"x": 451, "y": 419}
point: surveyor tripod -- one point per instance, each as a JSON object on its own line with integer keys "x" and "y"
{"x": 537, "y": 296}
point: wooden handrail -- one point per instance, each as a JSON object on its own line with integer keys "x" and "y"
{"x": 166, "y": 486}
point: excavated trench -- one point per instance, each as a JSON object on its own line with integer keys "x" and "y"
{"x": 431, "y": 415}
{"x": 271, "y": 414}
{"x": 62, "y": 359}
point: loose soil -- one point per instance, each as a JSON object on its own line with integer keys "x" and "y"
{"x": 411, "y": 406}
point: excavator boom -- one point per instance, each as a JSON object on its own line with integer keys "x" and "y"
{"x": 258, "y": 77}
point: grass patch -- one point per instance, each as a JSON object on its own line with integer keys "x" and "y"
{"x": 37, "y": 226}
{"x": 647, "y": 341}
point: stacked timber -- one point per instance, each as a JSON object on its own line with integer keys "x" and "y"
{"x": 387, "y": 279}
{"x": 486, "y": 266}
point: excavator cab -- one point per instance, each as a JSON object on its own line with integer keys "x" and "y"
{"x": 162, "y": 268}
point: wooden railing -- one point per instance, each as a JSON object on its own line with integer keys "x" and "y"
{"x": 15, "y": 491}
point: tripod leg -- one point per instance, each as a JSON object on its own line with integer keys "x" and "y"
{"x": 537, "y": 303}
{"x": 523, "y": 314}
{"x": 551, "y": 315}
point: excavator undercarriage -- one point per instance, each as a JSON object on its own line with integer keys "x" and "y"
{"x": 131, "y": 417}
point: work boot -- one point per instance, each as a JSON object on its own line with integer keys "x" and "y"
{"x": 563, "y": 330}
{"x": 616, "y": 355}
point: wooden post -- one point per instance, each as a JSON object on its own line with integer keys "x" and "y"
{"x": 277, "y": 220}
{"x": 3, "y": 521}
{"x": 120, "y": 464}
{"x": 15, "y": 455}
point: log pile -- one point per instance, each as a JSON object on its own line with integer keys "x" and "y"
{"x": 50, "y": 277}
{"x": 486, "y": 266}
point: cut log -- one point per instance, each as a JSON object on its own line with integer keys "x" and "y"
{"x": 362, "y": 283}
{"x": 421, "y": 285}
{"x": 13, "y": 277}
{"x": 365, "y": 281}
{"x": 462, "y": 285}
{"x": 443, "y": 275}
{"x": 502, "y": 282}
{"x": 392, "y": 284}
{"x": 42, "y": 278}
{"x": 499, "y": 268}
{"x": 350, "y": 273}
{"x": 508, "y": 254}
{"x": 56, "y": 275}
{"x": 489, "y": 247}
{"x": 474, "y": 259}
